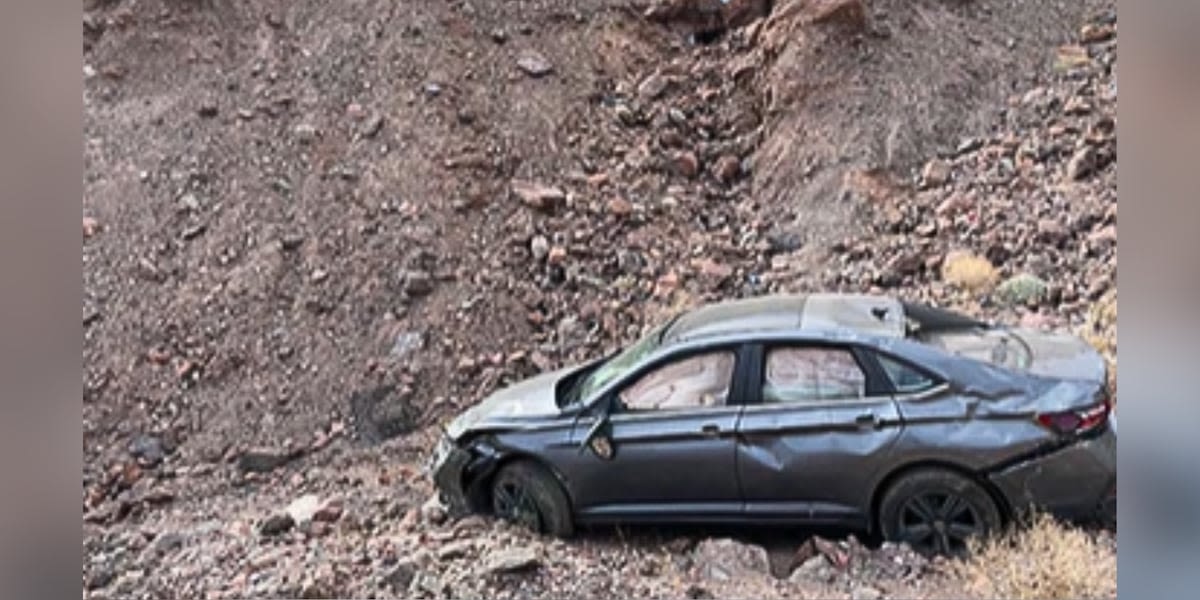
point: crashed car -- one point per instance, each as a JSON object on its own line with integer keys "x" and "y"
{"x": 863, "y": 412}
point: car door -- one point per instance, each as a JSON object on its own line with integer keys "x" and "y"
{"x": 672, "y": 430}
{"x": 817, "y": 416}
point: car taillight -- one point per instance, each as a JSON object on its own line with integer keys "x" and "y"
{"x": 1075, "y": 421}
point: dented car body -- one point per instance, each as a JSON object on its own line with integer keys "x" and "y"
{"x": 856, "y": 411}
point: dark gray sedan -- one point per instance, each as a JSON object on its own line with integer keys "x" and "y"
{"x": 864, "y": 412}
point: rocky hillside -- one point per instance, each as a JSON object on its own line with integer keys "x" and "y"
{"x": 313, "y": 230}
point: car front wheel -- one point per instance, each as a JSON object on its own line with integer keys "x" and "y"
{"x": 936, "y": 511}
{"x": 527, "y": 494}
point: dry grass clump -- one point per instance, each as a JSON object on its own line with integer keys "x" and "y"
{"x": 969, "y": 271}
{"x": 1045, "y": 559}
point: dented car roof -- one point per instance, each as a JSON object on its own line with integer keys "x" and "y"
{"x": 881, "y": 316}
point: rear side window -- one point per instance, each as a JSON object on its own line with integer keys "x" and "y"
{"x": 812, "y": 375}
{"x": 905, "y": 379}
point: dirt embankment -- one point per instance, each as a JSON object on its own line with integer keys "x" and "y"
{"x": 310, "y": 227}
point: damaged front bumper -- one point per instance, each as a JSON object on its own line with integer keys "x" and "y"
{"x": 458, "y": 473}
{"x": 1076, "y": 483}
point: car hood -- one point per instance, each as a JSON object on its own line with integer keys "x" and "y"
{"x": 531, "y": 398}
{"x": 1062, "y": 355}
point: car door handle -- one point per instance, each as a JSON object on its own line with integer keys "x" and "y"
{"x": 710, "y": 430}
{"x": 868, "y": 420}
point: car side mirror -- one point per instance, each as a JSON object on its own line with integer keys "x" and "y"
{"x": 599, "y": 438}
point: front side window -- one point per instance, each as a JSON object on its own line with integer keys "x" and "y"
{"x": 812, "y": 375}
{"x": 695, "y": 382}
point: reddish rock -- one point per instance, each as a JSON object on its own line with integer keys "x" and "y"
{"x": 685, "y": 164}
{"x": 727, "y": 168}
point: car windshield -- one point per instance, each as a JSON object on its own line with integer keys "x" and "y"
{"x": 619, "y": 364}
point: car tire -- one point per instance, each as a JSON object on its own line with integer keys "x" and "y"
{"x": 936, "y": 511}
{"x": 527, "y": 493}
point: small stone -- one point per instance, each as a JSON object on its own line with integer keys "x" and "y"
{"x": 455, "y": 550}
{"x": 538, "y": 196}
{"x": 329, "y": 512}
{"x": 302, "y": 509}
{"x": 401, "y": 576}
{"x": 727, "y": 169}
{"x": 1094, "y": 33}
{"x": 433, "y": 511}
{"x": 208, "y": 109}
{"x": 1052, "y": 232}
{"x": 865, "y": 592}
{"x": 953, "y": 205}
{"x": 534, "y": 64}
{"x": 685, "y": 164}
{"x": 90, "y": 227}
{"x": 418, "y": 283}
{"x": 510, "y": 560}
{"x": 306, "y": 133}
{"x": 539, "y": 247}
{"x": 147, "y": 449}
{"x": 935, "y": 173}
{"x": 1082, "y": 164}
{"x": 620, "y": 207}
{"x": 499, "y": 36}
{"x": 100, "y": 577}
{"x": 373, "y": 126}
{"x": 1021, "y": 289}
{"x": 1071, "y": 57}
{"x": 276, "y": 525}
{"x": 652, "y": 87}
{"x": 263, "y": 460}
{"x": 557, "y": 255}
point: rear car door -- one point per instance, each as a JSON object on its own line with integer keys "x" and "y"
{"x": 818, "y": 416}
{"x": 672, "y": 432}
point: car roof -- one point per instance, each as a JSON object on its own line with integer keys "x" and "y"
{"x": 875, "y": 315}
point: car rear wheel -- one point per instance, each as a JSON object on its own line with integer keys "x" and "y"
{"x": 527, "y": 494}
{"x": 936, "y": 511}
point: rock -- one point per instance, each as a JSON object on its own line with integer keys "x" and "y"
{"x": 652, "y": 87}
{"x": 685, "y": 164}
{"x": 306, "y": 133}
{"x": 865, "y": 592}
{"x": 620, "y": 207}
{"x": 418, "y": 283}
{"x": 935, "y": 173}
{"x": 263, "y": 460}
{"x": 167, "y": 543}
{"x": 433, "y": 511}
{"x": 277, "y": 524}
{"x": 1071, "y": 57}
{"x": 302, "y": 509}
{"x": 727, "y": 169}
{"x": 725, "y": 559}
{"x": 1023, "y": 288}
{"x": 147, "y": 449}
{"x": 841, "y": 12}
{"x": 90, "y": 227}
{"x": 539, "y": 247}
{"x": 814, "y": 568}
{"x": 455, "y": 550}
{"x": 536, "y": 195}
{"x": 207, "y": 109}
{"x": 1094, "y": 33}
{"x": 1082, "y": 164}
{"x": 499, "y": 36}
{"x": 955, "y": 204}
{"x": 968, "y": 271}
{"x": 1052, "y": 232}
{"x": 557, "y": 255}
{"x": 509, "y": 560}
{"x": 100, "y": 577}
{"x": 534, "y": 64}
{"x": 401, "y": 576}
{"x": 373, "y": 126}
